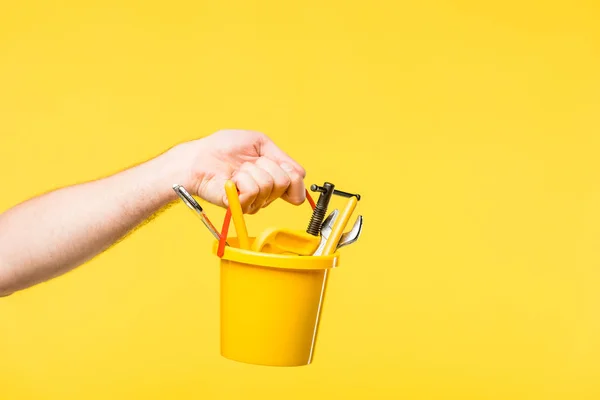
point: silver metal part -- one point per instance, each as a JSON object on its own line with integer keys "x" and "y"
{"x": 325, "y": 231}
{"x": 194, "y": 206}
{"x": 353, "y": 234}
{"x": 346, "y": 239}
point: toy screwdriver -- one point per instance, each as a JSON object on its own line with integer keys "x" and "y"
{"x": 194, "y": 206}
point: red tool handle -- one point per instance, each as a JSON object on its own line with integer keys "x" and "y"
{"x": 227, "y": 220}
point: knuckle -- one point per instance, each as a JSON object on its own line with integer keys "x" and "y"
{"x": 296, "y": 179}
{"x": 254, "y": 191}
{"x": 262, "y": 161}
{"x": 268, "y": 180}
{"x": 258, "y": 134}
{"x": 284, "y": 181}
{"x": 301, "y": 172}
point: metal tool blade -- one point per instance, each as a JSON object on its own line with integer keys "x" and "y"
{"x": 353, "y": 234}
{"x": 346, "y": 239}
{"x": 326, "y": 230}
{"x": 194, "y": 206}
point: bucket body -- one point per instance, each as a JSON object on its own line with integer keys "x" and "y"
{"x": 271, "y": 305}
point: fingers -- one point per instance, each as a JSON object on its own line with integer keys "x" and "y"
{"x": 255, "y": 186}
{"x": 281, "y": 179}
{"x": 263, "y": 182}
{"x": 272, "y": 174}
{"x": 296, "y": 192}
{"x": 248, "y": 188}
{"x": 270, "y": 150}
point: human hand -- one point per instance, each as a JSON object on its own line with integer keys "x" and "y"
{"x": 260, "y": 169}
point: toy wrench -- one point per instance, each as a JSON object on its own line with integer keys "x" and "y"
{"x": 346, "y": 239}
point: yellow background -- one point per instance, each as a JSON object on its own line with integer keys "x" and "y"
{"x": 470, "y": 129}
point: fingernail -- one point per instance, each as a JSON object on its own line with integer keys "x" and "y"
{"x": 225, "y": 201}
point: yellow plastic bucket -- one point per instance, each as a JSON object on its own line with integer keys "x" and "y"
{"x": 271, "y": 305}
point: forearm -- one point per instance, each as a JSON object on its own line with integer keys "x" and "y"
{"x": 46, "y": 236}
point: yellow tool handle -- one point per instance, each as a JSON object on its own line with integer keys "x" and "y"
{"x": 339, "y": 226}
{"x": 237, "y": 214}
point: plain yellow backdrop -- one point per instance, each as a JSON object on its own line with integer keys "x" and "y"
{"x": 470, "y": 128}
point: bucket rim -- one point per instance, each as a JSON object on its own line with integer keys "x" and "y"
{"x": 280, "y": 261}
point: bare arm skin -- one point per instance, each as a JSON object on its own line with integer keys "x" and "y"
{"x": 51, "y": 234}
{"x": 48, "y": 235}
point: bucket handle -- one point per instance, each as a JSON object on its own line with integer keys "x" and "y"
{"x": 227, "y": 220}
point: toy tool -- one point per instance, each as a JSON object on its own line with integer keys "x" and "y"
{"x": 194, "y": 206}
{"x": 285, "y": 241}
{"x": 237, "y": 214}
